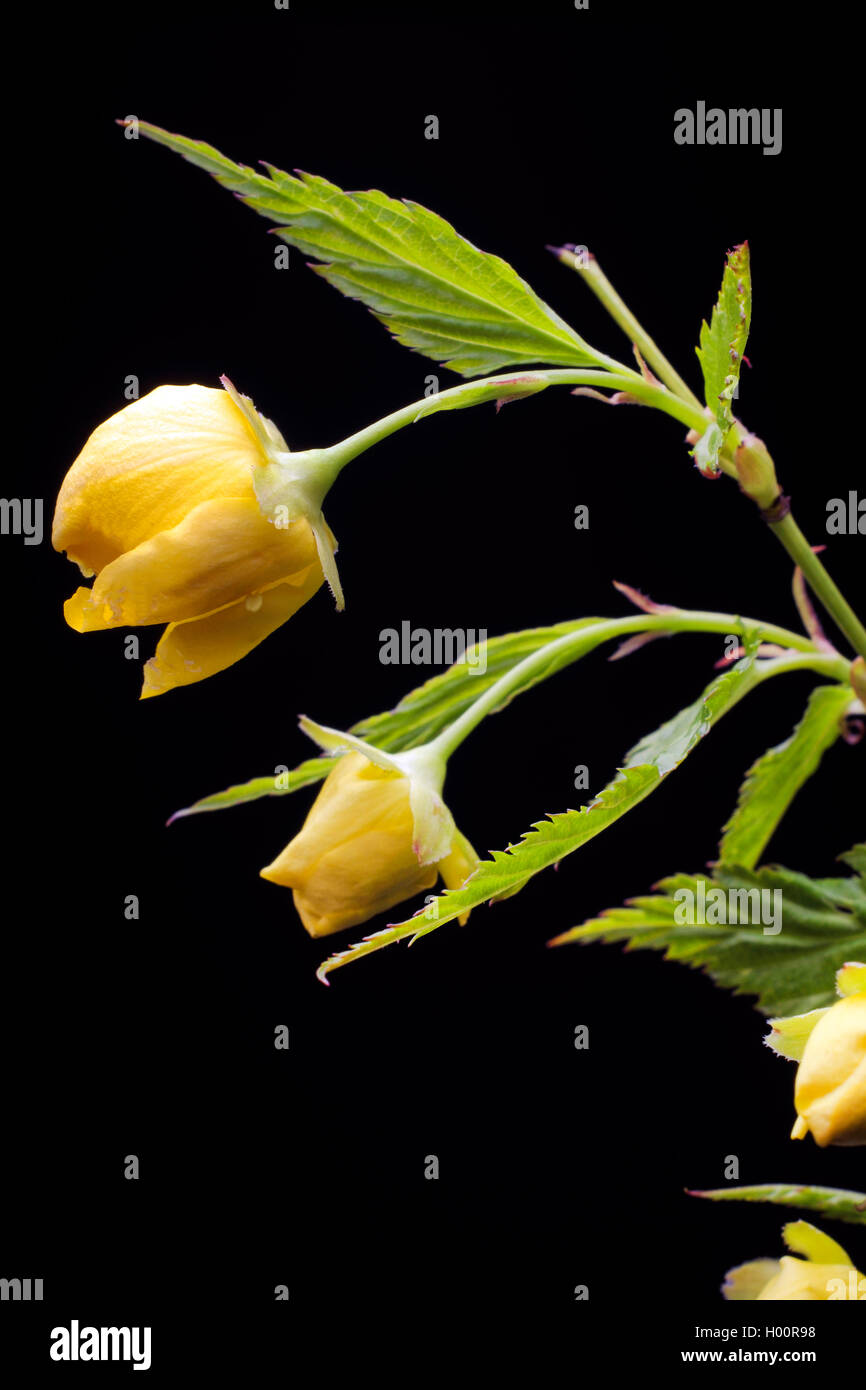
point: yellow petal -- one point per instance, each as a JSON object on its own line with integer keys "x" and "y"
{"x": 145, "y": 468}
{"x": 746, "y": 1282}
{"x": 336, "y": 899}
{"x": 800, "y": 1281}
{"x": 830, "y": 1090}
{"x": 851, "y": 979}
{"x": 456, "y": 867}
{"x": 353, "y": 857}
{"x": 188, "y": 652}
{"x": 221, "y": 552}
{"x": 355, "y": 795}
{"x": 813, "y": 1244}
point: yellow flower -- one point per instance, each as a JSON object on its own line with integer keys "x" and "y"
{"x": 830, "y": 1045}
{"x": 827, "y": 1274}
{"x": 802, "y": 1281}
{"x": 160, "y": 507}
{"x": 375, "y": 835}
{"x": 830, "y": 1090}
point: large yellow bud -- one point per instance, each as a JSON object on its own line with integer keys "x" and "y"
{"x": 375, "y": 835}
{"x": 161, "y": 508}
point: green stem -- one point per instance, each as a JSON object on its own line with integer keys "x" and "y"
{"x": 591, "y": 272}
{"x": 834, "y": 667}
{"x": 575, "y": 644}
{"x": 495, "y": 387}
{"x": 819, "y": 581}
{"x": 330, "y": 461}
{"x": 787, "y": 530}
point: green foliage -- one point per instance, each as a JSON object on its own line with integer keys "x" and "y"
{"x": 841, "y": 1204}
{"x": 418, "y": 717}
{"x": 823, "y": 925}
{"x": 722, "y": 344}
{"x": 435, "y": 291}
{"x": 774, "y": 780}
{"x": 467, "y": 309}
{"x": 549, "y": 841}
{"x": 723, "y": 341}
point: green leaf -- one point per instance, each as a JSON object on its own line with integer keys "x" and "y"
{"x": 418, "y": 717}
{"x": 645, "y": 767}
{"x": 856, "y": 858}
{"x": 279, "y": 784}
{"x": 435, "y": 291}
{"x": 723, "y": 342}
{"x": 841, "y": 1204}
{"x": 774, "y": 780}
{"x": 823, "y": 924}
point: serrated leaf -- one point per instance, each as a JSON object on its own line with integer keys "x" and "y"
{"x": 419, "y": 716}
{"x": 549, "y": 841}
{"x": 723, "y": 341}
{"x": 791, "y": 971}
{"x": 775, "y": 779}
{"x": 837, "y": 1202}
{"x": 278, "y": 784}
{"x": 435, "y": 291}
{"x": 856, "y": 858}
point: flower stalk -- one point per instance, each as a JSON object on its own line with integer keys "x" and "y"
{"x": 592, "y": 274}
{"x": 822, "y": 585}
{"x": 573, "y": 645}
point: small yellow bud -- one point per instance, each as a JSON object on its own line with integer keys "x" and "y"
{"x": 357, "y": 852}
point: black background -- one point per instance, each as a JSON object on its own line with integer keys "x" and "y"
{"x": 558, "y": 1167}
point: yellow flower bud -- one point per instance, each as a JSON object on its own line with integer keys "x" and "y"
{"x": 801, "y": 1281}
{"x": 160, "y": 507}
{"x": 830, "y": 1091}
{"x": 357, "y": 853}
{"x": 826, "y": 1274}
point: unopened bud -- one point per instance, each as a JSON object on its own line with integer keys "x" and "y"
{"x": 756, "y": 472}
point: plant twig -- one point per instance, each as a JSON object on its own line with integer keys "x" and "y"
{"x": 591, "y": 272}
